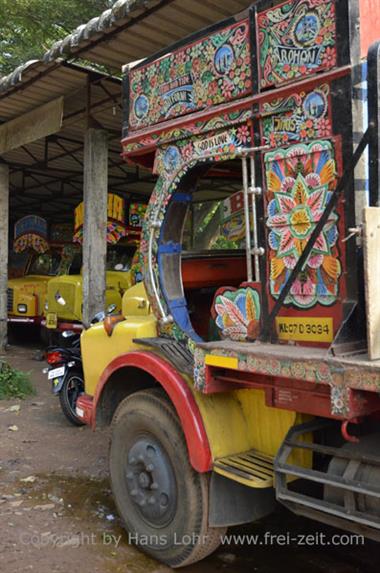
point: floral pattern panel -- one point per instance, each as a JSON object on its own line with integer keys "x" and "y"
{"x": 31, "y": 232}
{"x": 296, "y": 38}
{"x": 237, "y": 313}
{"x": 211, "y": 71}
{"x": 302, "y": 116}
{"x": 299, "y": 183}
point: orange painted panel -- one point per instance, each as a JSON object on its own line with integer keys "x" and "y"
{"x": 369, "y": 24}
{"x": 213, "y": 271}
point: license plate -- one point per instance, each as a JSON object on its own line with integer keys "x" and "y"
{"x": 56, "y": 373}
{"x": 308, "y": 329}
{"x": 51, "y": 320}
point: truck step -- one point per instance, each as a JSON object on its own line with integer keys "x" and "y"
{"x": 251, "y": 468}
{"x": 348, "y": 513}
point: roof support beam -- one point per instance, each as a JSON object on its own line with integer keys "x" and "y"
{"x": 4, "y": 224}
{"x": 95, "y": 195}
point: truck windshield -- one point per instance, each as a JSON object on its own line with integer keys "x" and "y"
{"x": 119, "y": 257}
{"x": 215, "y": 225}
{"x": 46, "y": 264}
{"x": 17, "y": 264}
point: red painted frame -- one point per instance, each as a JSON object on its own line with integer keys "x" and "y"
{"x": 180, "y": 395}
{"x": 291, "y": 394}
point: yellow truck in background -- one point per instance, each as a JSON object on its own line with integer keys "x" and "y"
{"x": 69, "y": 288}
{"x": 122, "y": 240}
{"x": 34, "y": 259}
{"x": 27, "y": 293}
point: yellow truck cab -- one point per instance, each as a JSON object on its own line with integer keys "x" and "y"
{"x": 69, "y": 288}
{"x": 26, "y": 295}
{"x": 33, "y": 262}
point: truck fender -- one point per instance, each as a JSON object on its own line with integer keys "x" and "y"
{"x": 179, "y": 393}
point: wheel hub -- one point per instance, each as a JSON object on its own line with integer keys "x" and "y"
{"x": 151, "y": 482}
{"x": 144, "y": 480}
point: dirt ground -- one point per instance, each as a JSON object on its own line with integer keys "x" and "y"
{"x": 57, "y": 514}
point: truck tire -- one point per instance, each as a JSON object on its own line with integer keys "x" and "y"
{"x": 163, "y": 502}
{"x": 73, "y": 383}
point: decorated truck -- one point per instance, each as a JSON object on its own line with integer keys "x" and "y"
{"x": 122, "y": 240}
{"x": 244, "y": 368}
{"x": 35, "y": 259}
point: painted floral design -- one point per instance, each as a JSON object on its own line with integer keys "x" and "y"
{"x": 211, "y": 71}
{"x": 31, "y": 232}
{"x": 340, "y": 378}
{"x": 152, "y": 141}
{"x": 299, "y": 117}
{"x": 296, "y": 38}
{"x": 170, "y": 159}
{"x": 237, "y": 313}
{"x": 299, "y": 185}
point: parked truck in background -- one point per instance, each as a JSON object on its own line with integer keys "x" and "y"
{"x": 64, "y": 304}
{"x": 69, "y": 288}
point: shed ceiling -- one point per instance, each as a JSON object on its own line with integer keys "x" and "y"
{"x": 47, "y": 175}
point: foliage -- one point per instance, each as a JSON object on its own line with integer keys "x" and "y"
{"x": 14, "y": 383}
{"x": 223, "y": 243}
{"x": 28, "y": 28}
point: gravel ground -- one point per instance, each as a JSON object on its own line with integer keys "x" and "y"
{"x": 57, "y": 514}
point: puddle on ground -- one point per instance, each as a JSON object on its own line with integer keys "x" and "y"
{"x": 281, "y": 540}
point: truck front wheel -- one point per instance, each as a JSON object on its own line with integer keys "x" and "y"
{"x": 161, "y": 499}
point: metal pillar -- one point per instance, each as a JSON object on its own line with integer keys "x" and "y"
{"x": 4, "y": 224}
{"x": 95, "y": 221}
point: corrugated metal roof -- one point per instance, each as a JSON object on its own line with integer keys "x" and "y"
{"x": 47, "y": 174}
{"x": 133, "y": 29}
{"x": 129, "y": 31}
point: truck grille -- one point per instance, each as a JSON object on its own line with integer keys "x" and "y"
{"x": 10, "y": 299}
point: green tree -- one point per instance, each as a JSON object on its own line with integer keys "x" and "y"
{"x": 29, "y": 27}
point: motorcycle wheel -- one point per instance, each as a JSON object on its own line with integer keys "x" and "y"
{"x": 72, "y": 388}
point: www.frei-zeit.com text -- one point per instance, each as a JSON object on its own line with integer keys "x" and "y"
{"x": 265, "y": 539}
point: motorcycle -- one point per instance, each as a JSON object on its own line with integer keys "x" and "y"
{"x": 65, "y": 370}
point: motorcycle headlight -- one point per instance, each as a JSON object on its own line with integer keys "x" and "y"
{"x": 22, "y": 308}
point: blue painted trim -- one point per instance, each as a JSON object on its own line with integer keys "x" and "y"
{"x": 180, "y": 313}
{"x": 178, "y": 307}
{"x": 182, "y": 197}
{"x": 169, "y": 248}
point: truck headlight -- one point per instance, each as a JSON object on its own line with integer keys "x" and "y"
{"x": 46, "y": 306}
{"x": 22, "y": 308}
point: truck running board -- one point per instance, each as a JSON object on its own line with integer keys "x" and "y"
{"x": 251, "y": 468}
{"x": 345, "y": 496}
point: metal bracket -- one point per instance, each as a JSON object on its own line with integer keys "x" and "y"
{"x": 258, "y": 251}
{"x": 353, "y": 232}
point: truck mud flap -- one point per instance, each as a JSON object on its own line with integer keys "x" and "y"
{"x": 349, "y": 500}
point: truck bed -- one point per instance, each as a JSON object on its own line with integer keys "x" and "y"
{"x": 351, "y": 371}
